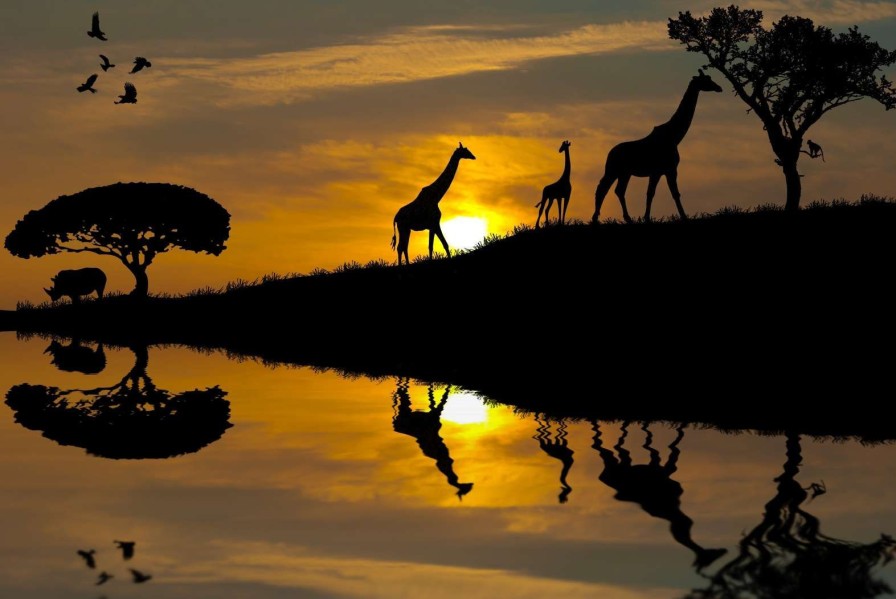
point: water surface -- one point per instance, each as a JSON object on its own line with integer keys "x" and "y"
{"x": 240, "y": 479}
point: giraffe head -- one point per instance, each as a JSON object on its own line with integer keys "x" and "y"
{"x": 704, "y": 82}
{"x": 462, "y": 152}
{"x": 564, "y": 146}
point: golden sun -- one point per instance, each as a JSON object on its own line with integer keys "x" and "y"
{"x": 464, "y": 232}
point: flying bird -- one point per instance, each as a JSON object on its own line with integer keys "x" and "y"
{"x": 129, "y": 96}
{"x": 103, "y": 578}
{"x": 106, "y": 64}
{"x": 95, "y": 28}
{"x": 139, "y": 576}
{"x": 88, "y": 557}
{"x": 127, "y": 548}
{"x": 139, "y": 64}
{"x": 88, "y": 85}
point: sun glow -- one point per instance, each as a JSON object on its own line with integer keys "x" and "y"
{"x": 464, "y": 232}
{"x": 465, "y": 408}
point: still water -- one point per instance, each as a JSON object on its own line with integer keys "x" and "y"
{"x": 248, "y": 480}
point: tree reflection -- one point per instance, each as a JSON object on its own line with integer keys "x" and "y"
{"x": 651, "y": 486}
{"x": 787, "y": 556}
{"x": 132, "y": 419}
{"x": 424, "y": 427}
{"x": 76, "y": 357}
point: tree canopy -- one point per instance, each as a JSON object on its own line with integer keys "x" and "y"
{"x": 134, "y": 222}
{"x": 789, "y": 75}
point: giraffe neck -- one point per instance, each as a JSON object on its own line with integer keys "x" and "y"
{"x": 566, "y": 169}
{"x": 677, "y": 126}
{"x": 440, "y": 186}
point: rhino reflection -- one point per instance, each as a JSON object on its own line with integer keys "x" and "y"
{"x": 75, "y": 357}
{"x": 651, "y": 486}
{"x": 133, "y": 419}
{"x": 424, "y": 427}
{"x": 786, "y": 555}
{"x": 557, "y": 447}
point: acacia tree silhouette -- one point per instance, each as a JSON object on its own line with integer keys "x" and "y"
{"x": 134, "y": 222}
{"x": 789, "y": 75}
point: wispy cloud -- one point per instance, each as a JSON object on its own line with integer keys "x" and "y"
{"x": 411, "y": 55}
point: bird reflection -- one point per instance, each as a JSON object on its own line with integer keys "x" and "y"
{"x": 88, "y": 557}
{"x": 424, "y": 427}
{"x": 75, "y": 357}
{"x": 651, "y": 486}
{"x": 787, "y": 556}
{"x": 557, "y": 447}
{"x": 132, "y": 419}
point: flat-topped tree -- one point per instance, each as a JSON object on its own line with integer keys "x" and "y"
{"x": 134, "y": 222}
{"x": 789, "y": 75}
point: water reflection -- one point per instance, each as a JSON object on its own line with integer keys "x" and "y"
{"x": 76, "y": 357}
{"x": 424, "y": 427}
{"x": 557, "y": 447}
{"x": 651, "y": 486}
{"x": 132, "y": 419}
{"x": 786, "y": 554}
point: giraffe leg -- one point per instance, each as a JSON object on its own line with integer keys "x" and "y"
{"x": 547, "y": 210}
{"x": 442, "y": 239}
{"x": 672, "y": 180}
{"x": 621, "y": 186}
{"x": 541, "y": 205}
{"x": 432, "y": 235}
{"x": 404, "y": 238}
{"x": 600, "y": 193}
{"x": 651, "y": 191}
{"x": 565, "y": 205}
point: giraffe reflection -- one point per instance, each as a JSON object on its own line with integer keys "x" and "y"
{"x": 556, "y": 447}
{"x": 651, "y": 486}
{"x": 424, "y": 427}
{"x": 786, "y": 555}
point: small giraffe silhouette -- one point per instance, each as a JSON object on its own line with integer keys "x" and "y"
{"x": 423, "y": 213}
{"x": 558, "y": 190}
{"x": 556, "y": 447}
{"x": 653, "y": 156}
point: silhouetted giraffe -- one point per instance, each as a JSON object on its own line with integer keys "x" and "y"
{"x": 424, "y": 427}
{"x": 558, "y": 190}
{"x": 556, "y": 448}
{"x": 423, "y": 213}
{"x": 651, "y": 486}
{"x": 653, "y": 156}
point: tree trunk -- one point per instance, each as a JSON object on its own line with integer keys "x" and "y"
{"x": 141, "y": 288}
{"x": 794, "y": 187}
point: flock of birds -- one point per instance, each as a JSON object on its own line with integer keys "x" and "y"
{"x": 130, "y": 91}
{"x": 127, "y": 552}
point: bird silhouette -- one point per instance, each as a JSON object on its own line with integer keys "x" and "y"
{"x": 127, "y": 548}
{"x": 139, "y": 576}
{"x": 103, "y": 578}
{"x": 139, "y": 64}
{"x": 129, "y": 96}
{"x": 106, "y": 64}
{"x": 88, "y": 557}
{"x": 87, "y": 86}
{"x": 95, "y": 28}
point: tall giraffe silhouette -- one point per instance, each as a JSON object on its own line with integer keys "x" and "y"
{"x": 653, "y": 156}
{"x": 556, "y": 447}
{"x": 651, "y": 486}
{"x": 558, "y": 190}
{"x": 423, "y": 213}
{"x": 424, "y": 427}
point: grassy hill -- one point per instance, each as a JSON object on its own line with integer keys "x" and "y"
{"x": 740, "y": 318}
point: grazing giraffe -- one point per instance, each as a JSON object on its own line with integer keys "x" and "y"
{"x": 558, "y": 190}
{"x": 653, "y": 156}
{"x": 423, "y": 213}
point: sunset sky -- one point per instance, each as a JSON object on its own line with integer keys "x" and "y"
{"x": 312, "y": 122}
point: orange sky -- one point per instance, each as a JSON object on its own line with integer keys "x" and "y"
{"x": 312, "y": 123}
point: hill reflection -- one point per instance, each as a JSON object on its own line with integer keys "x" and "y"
{"x": 132, "y": 419}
